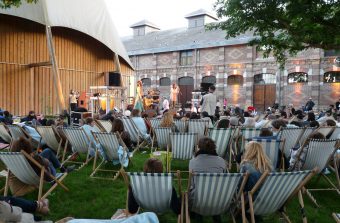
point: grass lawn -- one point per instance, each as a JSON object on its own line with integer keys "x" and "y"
{"x": 96, "y": 198}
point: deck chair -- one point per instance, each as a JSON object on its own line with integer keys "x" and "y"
{"x": 105, "y": 125}
{"x": 153, "y": 191}
{"x": 162, "y": 137}
{"x": 17, "y": 132}
{"x": 135, "y": 135}
{"x": 198, "y": 126}
{"x": 181, "y": 126}
{"x": 319, "y": 154}
{"x": 17, "y": 163}
{"x": 336, "y": 133}
{"x": 222, "y": 138}
{"x": 308, "y": 131}
{"x": 336, "y": 217}
{"x": 48, "y": 134}
{"x": 248, "y": 133}
{"x": 4, "y": 135}
{"x": 110, "y": 144}
{"x": 274, "y": 191}
{"x": 80, "y": 145}
{"x": 291, "y": 137}
{"x": 155, "y": 122}
{"x": 182, "y": 147}
{"x": 325, "y": 130}
{"x": 213, "y": 193}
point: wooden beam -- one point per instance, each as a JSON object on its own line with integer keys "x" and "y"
{"x": 117, "y": 67}
{"x": 40, "y": 64}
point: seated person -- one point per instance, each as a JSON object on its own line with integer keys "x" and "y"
{"x": 266, "y": 133}
{"x": 314, "y": 124}
{"x": 30, "y": 117}
{"x": 277, "y": 125}
{"x": 140, "y": 124}
{"x": 118, "y": 126}
{"x": 168, "y": 121}
{"x": 88, "y": 128}
{"x": 223, "y": 124}
{"x": 153, "y": 165}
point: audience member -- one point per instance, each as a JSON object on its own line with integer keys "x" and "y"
{"x": 118, "y": 126}
{"x": 168, "y": 121}
{"x": 223, "y": 124}
{"x": 139, "y": 122}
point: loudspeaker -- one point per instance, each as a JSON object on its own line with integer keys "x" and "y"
{"x": 112, "y": 79}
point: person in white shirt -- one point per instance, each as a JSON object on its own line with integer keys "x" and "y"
{"x": 140, "y": 124}
{"x": 323, "y": 119}
{"x": 209, "y": 102}
{"x": 166, "y": 105}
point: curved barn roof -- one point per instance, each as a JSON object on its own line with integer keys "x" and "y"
{"x": 87, "y": 16}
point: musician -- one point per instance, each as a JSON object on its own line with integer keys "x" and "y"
{"x": 165, "y": 104}
{"x": 73, "y": 99}
{"x": 139, "y": 99}
{"x": 174, "y": 91}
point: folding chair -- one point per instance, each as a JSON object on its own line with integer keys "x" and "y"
{"x": 213, "y": 193}
{"x": 80, "y": 144}
{"x": 17, "y": 132}
{"x": 181, "y": 125}
{"x": 135, "y": 135}
{"x": 153, "y": 191}
{"x": 291, "y": 137}
{"x": 336, "y": 217}
{"x": 222, "y": 138}
{"x": 162, "y": 137}
{"x": 248, "y": 133}
{"x": 155, "y": 122}
{"x": 48, "y": 134}
{"x": 325, "y": 130}
{"x": 109, "y": 142}
{"x": 18, "y": 164}
{"x": 274, "y": 191}
{"x": 198, "y": 126}
{"x": 308, "y": 131}
{"x": 182, "y": 147}
{"x": 105, "y": 125}
{"x": 336, "y": 133}
{"x": 319, "y": 154}
{"x": 5, "y": 135}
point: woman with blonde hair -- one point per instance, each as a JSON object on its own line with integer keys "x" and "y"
{"x": 168, "y": 121}
{"x": 255, "y": 162}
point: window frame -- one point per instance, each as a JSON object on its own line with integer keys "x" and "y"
{"x": 234, "y": 82}
{"x": 186, "y": 58}
{"x": 337, "y": 78}
{"x": 266, "y": 80}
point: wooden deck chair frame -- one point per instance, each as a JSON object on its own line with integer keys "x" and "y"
{"x": 14, "y": 129}
{"x": 336, "y": 217}
{"x": 308, "y": 131}
{"x": 296, "y": 191}
{"x": 50, "y": 140}
{"x": 336, "y": 133}
{"x": 43, "y": 172}
{"x": 180, "y": 218}
{"x": 234, "y": 198}
{"x": 288, "y": 143}
{"x": 69, "y": 140}
{"x": 95, "y": 168}
{"x": 140, "y": 140}
{"x": 158, "y": 139}
{"x": 235, "y": 134}
{"x": 104, "y": 125}
{"x": 4, "y": 135}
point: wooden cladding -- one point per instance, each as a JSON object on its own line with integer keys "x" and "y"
{"x": 81, "y": 59}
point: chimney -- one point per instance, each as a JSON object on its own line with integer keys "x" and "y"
{"x": 144, "y": 27}
{"x": 200, "y": 18}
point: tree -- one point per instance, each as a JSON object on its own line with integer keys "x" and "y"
{"x": 16, "y": 3}
{"x": 282, "y": 26}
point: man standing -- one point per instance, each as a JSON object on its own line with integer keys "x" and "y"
{"x": 337, "y": 105}
{"x": 209, "y": 102}
{"x": 309, "y": 105}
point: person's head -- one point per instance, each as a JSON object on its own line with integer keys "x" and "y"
{"x": 135, "y": 113}
{"x": 194, "y": 115}
{"x": 314, "y": 124}
{"x": 139, "y": 83}
{"x": 145, "y": 115}
{"x": 296, "y": 123}
{"x": 89, "y": 121}
{"x": 117, "y": 126}
{"x": 212, "y": 89}
{"x": 50, "y": 122}
{"x": 329, "y": 113}
{"x": 31, "y": 114}
{"x": 71, "y": 91}
{"x": 223, "y": 124}
{"x": 167, "y": 120}
{"x": 254, "y": 154}
{"x": 277, "y": 124}
{"x": 6, "y": 114}
{"x": 246, "y": 114}
{"x": 153, "y": 165}
{"x": 316, "y": 135}
{"x": 310, "y": 116}
{"x": 205, "y": 114}
{"x": 283, "y": 114}
{"x": 174, "y": 85}
{"x": 187, "y": 115}
{"x": 310, "y": 98}
{"x": 265, "y": 132}
{"x": 22, "y": 144}
{"x": 330, "y": 122}
{"x": 206, "y": 146}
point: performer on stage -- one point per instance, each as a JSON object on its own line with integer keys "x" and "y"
{"x": 73, "y": 99}
{"x": 174, "y": 94}
{"x": 139, "y": 100}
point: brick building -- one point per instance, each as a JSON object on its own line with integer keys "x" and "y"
{"x": 193, "y": 55}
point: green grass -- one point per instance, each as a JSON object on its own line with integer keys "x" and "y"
{"x": 95, "y": 198}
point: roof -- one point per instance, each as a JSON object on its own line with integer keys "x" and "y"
{"x": 144, "y": 23}
{"x": 87, "y": 16}
{"x": 181, "y": 39}
{"x": 200, "y": 12}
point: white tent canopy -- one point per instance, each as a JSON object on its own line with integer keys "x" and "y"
{"x": 87, "y": 16}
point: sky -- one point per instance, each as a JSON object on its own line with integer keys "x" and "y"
{"x": 166, "y": 14}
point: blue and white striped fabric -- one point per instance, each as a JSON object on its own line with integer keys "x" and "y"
{"x": 318, "y": 153}
{"x": 306, "y": 133}
{"x": 131, "y": 129}
{"x": 213, "y": 192}
{"x": 198, "y": 126}
{"x": 78, "y": 139}
{"x": 155, "y": 122}
{"x": 20, "y": 167}
{"x": 152, "y": 191}
{"x": 106, "y": 124}
{"x": 248, "y": 133}
{"x": 109, "y": 143}
{"x": 4, "y": 134}
{"x": 291, "y": 136}
{"x": 275, "y": 191}
{"x": 182, "y": 145}
{"x": 336, "y": 133}
{"x": 16, "y": 132}
{"x": 222, "y": 138}
{"x": 271, "y": 148}
{"x": 48, "y": 135}
{"x": 163, "y": 136}
{"x": 325, "y": 130}
{"x": 181, "y": 125}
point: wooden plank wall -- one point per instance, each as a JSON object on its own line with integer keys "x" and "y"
{"x": 80, "y": 58}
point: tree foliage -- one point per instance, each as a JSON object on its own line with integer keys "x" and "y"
{"x": 282, "y": 26}
{"x": 16, "y": 3}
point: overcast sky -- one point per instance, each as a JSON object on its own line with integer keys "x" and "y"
{"x": 167, "y": 14}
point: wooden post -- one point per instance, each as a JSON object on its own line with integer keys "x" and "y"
{"x": 55, "y": 71}
{"x": 32, "y": 88}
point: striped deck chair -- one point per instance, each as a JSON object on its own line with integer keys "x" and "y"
{"x": 17, "y": 132}
{"x": 325, "y": 130}
{"x": 48, "y": 134}
{"x": 213, "y": 193}
{"x": 222, "y": 138}
{"x": 335, "y": 134}
{"x": 80, "y": 144}
{"x": 130, "y": 127}
{"x": 198, "y": 126}
{"x": 306, "y": 134}
{"x": 274, "y": 192}
{"x": 110, "y": 144}
{"x": 182, "y": 147}
{"x": 105, "y": 125}
{"x": 152, "y": 191}
{"x": 181, "y": 126}
{"x": 319, "y": 154}
{"x": 248, "y": 133}
{"x": 162, "y": 136}
{"x": 336, "y": 217}
{"x": 17, "y": 163}
{"x": 4, "y": 135}
{"x": 155, "y": 122}
{"x": 291, "y": 137}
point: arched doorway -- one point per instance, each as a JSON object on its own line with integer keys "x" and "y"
{"x": 186, "y": 86}
{"x": 264, "y": 94}
{"x": 207, "y": 81}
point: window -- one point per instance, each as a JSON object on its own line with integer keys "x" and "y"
{"x": 331, "y": 77}
{"x": 209, "y": 79}
{"x": 164, "y": 81}
{"x": 235, "y": 80}
{"x": 186, "y": 58}
{"x": 297, "y": 77}
{"x": 330, "y": 53}
{"x": 146, "y": 82}
{"x": 264, "y": 78}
